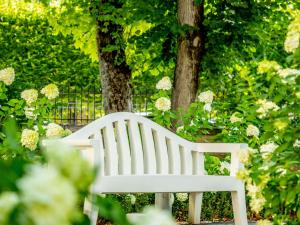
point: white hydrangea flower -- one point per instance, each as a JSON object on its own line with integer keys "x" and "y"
{"x": 253, "y": 190}
{"x": 182, "y": 197}
{"x": 154, "y": 216}
{"x": 244, "y": 156}
{"x": 267, "y": 66}
{"x": 164, "y": 84}
{"x": 206, "y": 97}
{"x": 8, "y": 200}
{"x": 71, "y": 164}
{"x": 7, "y": 76}
{"x": 50, "y": 91}
{"x": 265, "y": 107}
{"x": 54, "y": 130}
{"x": 268, "y": 149}
{"x": 29, "y": 113}
{"x": 291, "y": 42}
{"x": 207, "y": 107}
{"x": 224, "y": 166}
{"x": 163, "y": 104}
{"x": 252, "y": 131}
{"x": 49, "y": 198}
{"x": 30, "y": 96}
{"x": 179, "y": 129}
{"x": 29, "y": 139}
{"x": 296, "y": 144}
{"x": 284, "y": 73}
{"x": 132, "y": 198}
{"x": 235, "y": 119}
{"x": 257, "y": 204}
{"x": 264, "y": 222}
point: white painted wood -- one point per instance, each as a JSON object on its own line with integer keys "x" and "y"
{"x": 137, "y": 155}
{"x": 166, "y": 183}
{"x": 174, "y": 157}
{"x": 123, "y": 147}
{"x": 186, "y": 161}
{"x": 239, "y": 206}
{"x": 111, "y": 154}
{"x": 161, "y": 153}
{"x": 148, "y": 149}
{"x": 195, "y": 205}
{"x": 162, "y": 164}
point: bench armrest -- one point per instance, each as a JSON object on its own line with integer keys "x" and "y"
{"x": 78, "y": 143}
{"x": 231, "y": 148}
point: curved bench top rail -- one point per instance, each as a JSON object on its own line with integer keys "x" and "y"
{"x": 90, "y": 129}
{"x": 80, "y": 137}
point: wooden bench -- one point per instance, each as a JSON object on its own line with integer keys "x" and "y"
{"x": 136, "y": 155}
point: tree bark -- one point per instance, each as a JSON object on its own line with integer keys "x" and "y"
{"x": 189, "y": 55}
{"x": 115, "y": 77}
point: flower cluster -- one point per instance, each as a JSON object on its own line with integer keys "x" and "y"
{"x": 29, "y": 139}
{"x": 224, "y": 166}
{"x": 54, "y": 131}
{"x": 252, "y": 131}
{"x": 244, "y": 155}
{"x": 163, "y": 104}
{"x": 293, "y": 36}
{"x": 182, "y": 197}
{"x": 265, "y": 107}
{"x": 267, "y": 149}
{"x": 267, "y": 66}
{"x": 131, "y": 198}
{"x": 235, "y": 119}
{"x": 47, "y": 193}
{"x": 8, "y": 200}
{"x": 7, "y": 76}
{"x": 48, "y": 197}
{"x": 29, "y": 113}
{"x": 70, "y": 164}
{"x": 30, "y": 96}
{"x": 296, "y": 144}
{"x": 154, "y": 216}
{"x": 206, "y": 97}
{"x": 264, "y": 222}
{"x": 164, "y": 84}
{"x": 50, "y": 91}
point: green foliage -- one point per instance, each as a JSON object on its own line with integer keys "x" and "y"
{"x": 30, "y": 46}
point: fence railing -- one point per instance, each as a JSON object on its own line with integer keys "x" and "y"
{"x": 76, "y": 107}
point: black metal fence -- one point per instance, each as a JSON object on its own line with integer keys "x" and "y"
{"x": 77, "y": 106}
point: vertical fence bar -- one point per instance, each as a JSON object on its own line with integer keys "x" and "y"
{"x": 94, "y": 102}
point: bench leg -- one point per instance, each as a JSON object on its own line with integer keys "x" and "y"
{"x": 91, "y": 211}
{"x": 164, "y": 201}
{"x": 94, "y": 216}
{"x": 195, "y": 203}
{"x": 239, "y": 206}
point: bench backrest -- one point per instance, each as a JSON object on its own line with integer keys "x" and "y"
{"x": 129, "y": 144}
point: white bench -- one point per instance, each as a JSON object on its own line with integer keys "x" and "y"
{"x": 136, "y": 155}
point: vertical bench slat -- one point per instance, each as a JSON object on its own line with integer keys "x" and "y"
{"x": 111, "y": 150}
{"x": 186, "y": 161}
{"x": 149, "y": 150}
{"x": 161, "y": 153}
{"x": 99, "y": 152}
{"x": 174, "y": 157}
{"x": 123, "y": 146}
{"x": 136, "y": 147}
{"x": 198, "y": 163}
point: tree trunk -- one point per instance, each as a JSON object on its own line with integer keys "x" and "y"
{"x": 115, "y": 78}
{"x": 189, "y": 55}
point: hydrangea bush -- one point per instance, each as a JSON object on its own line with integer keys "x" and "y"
{"x": 266, "y": 116}
{"x": 29, "y": 111}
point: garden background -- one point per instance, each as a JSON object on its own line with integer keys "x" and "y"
{"x": 240, "y": 84}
